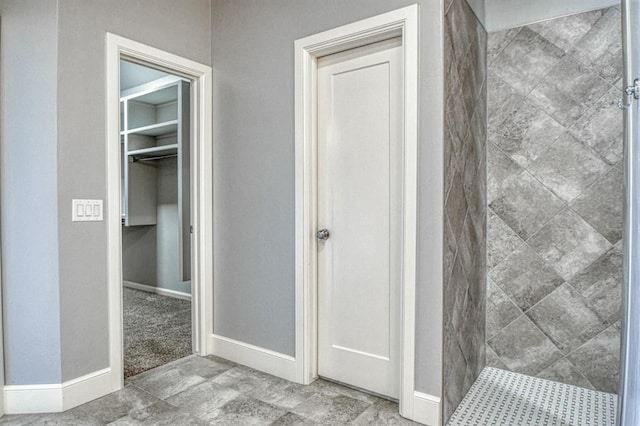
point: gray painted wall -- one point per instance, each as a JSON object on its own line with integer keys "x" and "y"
{"x": 182, "y": 28}
{"x": 55, "y": 273}
{"x": 28, "y": 205}
{"x": 504, "y": 14}
{"x": 556, "y": 199}
{"x": 252, "y": 51}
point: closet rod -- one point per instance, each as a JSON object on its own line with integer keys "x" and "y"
{"x": 160, "y": 157}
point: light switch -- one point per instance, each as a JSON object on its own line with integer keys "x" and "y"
{"x": 87, "y": 210}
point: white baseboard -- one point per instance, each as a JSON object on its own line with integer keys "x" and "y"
{"x": 157, "y": 290}
{"x": 426, "y": 409}
{"x": 274, "y": 363}
{"x": 57, "y": 397}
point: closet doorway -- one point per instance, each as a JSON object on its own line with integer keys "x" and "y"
{"x": 156, "y": 221}
{"x": 130, "y": 208}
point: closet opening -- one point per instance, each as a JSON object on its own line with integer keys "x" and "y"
{"x": 155, "y": 147}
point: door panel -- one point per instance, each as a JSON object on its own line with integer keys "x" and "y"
{"x": 359, "y": 190}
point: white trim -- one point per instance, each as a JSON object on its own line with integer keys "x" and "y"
{"x": 55, "y": 398}
{"x": 258, "y": 358}
{"x": 402, "y": 22}
{"x": 201, "y": 190}
{"x": 157, "y": 290}
{"x": 426, "y": 409}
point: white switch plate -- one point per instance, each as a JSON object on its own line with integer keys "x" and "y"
{"x": 87, "y": 210}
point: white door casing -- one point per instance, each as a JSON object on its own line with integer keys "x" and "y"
{"x": 404, "y": 23}
{"x": 360, "y": 114}
{"x": 200, "y": 75}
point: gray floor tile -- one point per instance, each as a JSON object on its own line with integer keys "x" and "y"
{"x": 205, "y": 399}
{"x": 568, "y": 167}
{"x": 116, "y": 405}
{"x": 51, "y": 419}
{"x": 523, "y": 348}
{"x": 602, "y": 205}
{"x": 205, "y": 367}
{"x": 569, "y": 244}
{"x": 525, "y": 278}
{"x": 166, "y": 381}
{"x": 159, "y": 414}
{"x": 333, "y": 389}
{"x": 282, "y": 394}
{"x": 338, "y": 409}
{"x": 382, "y": 413}
{"x": 526, "y": 205}
{"x": 293, "y": 419}
{"x": 527, "y": 59}
{"x": 246, "y": 411}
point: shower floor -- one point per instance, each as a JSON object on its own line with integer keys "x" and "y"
{"x": 501, "y": 397}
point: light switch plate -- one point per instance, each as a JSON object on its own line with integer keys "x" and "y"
{"x": 87, "y": 210}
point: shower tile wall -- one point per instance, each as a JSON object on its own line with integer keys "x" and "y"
{"x": 465, "y": 202}
{"x": 555, "y": 199}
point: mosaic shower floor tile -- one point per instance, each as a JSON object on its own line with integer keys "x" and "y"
{"x": 504, "y": 398}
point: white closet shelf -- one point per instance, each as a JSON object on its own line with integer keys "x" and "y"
{"x": 157, "y": 129}
{"x": 154, "y": 151}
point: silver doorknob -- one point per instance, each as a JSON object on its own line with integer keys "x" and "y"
{"x": 323, "y": 234}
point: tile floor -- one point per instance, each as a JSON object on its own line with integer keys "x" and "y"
{"x": 210, "y": 391}
{"x": 504, "y": 398}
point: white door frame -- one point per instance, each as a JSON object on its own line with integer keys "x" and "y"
{"x": 201, "y": 190}
{"x": 404, "y": 23}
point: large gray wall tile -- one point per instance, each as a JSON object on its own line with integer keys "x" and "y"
{"x": 564, "y": 371}
{"x": 566, "y": 317}
{"x": 502, "y": 241}
{"x": 523, "y": 348}
{"x": 601, "y": 285}
{"x": 567, "y": 31}
{"x": 600, "y": 127}
{"x": 568, "y": 167}
{"x": 465, "y": 203}
{"x": 567, "y": 91}
{"x": 525, "y": 278}
{"x": 601, "y": 48}
{"x": 598, "y": 359}
{"x": 602, "y": 205}
{"x": 569, "y": 244}
{"x": 526, "y": 132}
{"x": 526, "y": 205}
{"x": 555, "y": 200}
{"x": 526, "y": 60}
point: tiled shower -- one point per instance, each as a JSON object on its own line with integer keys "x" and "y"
{"x": 546, "y": 173}
{"x": 555, "y": 199}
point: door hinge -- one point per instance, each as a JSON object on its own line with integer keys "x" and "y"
{"x": 629, "y": 93}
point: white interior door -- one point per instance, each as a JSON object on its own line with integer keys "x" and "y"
{"x": 359, "y": 203}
